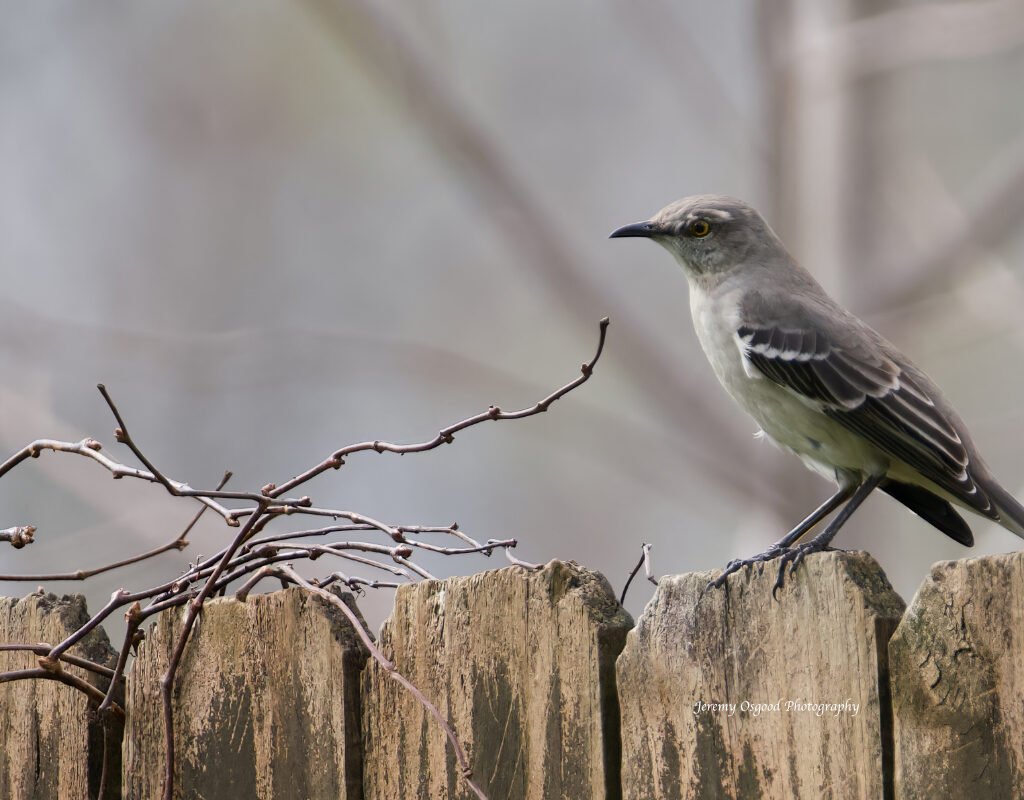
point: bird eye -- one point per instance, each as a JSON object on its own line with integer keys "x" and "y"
{"x": 700, "y": 228}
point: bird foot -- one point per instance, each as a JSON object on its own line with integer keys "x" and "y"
{"x": 772, "y": 553}
{"x": 786, "y": 556}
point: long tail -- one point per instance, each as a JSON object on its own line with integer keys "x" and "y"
{"x": 931, "y": 508}
{"x": 1011, "y": 513}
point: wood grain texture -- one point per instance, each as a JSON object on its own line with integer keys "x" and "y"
{"x": 266, "y": 703}
{"x": 957, "y": 662}
{"x": 823, "y": 641}
{"x": 51, "y": 745}
{"x": 522, "y": 664}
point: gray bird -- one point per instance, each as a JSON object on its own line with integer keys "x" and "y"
{"x": 819, "y": 382}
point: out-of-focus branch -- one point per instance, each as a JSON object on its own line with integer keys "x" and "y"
{"x": 918, "y": 34}
{"x": 516, "y": 208}
{"x": 673, "y": 47}
{"x": 997, "y": 210}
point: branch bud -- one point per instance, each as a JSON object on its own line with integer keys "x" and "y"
{"x": 50, "y": 664}
{"x": 134, "y": 612}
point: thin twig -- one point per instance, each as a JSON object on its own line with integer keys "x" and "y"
{"x": 117, "y": 599}
{"x": 446, "y": 435}
{"x": 355, "y": 583}
{"x": 102, "y": 792}
{"x": 390, "y": 669}
{"x": 40, "y": 673}
{"x": 134, "y": 620}
{"x": 179, "y": 542}
{"x": 191, "y": 612}
{"x": 250, "y": 558}
{"x": 90, "y": 448}
{"x": 645, "y": 562}
{"x": 177, "y": 488}
{"x": 42, "y": 649}
{"x": 520, "y": 563}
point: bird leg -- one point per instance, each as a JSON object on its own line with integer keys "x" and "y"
{"x": 783, "y": 545}
{"x": 793, "y": 556}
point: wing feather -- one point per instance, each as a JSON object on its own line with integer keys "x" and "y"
{"x": 865, "y": 390}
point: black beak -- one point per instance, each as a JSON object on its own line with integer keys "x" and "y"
{"x": 644, "y": 229}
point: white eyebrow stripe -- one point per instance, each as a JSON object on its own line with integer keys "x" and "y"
{"x": 725, "y": 216}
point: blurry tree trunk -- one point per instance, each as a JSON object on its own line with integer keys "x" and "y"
{"x": 824, "y": 158}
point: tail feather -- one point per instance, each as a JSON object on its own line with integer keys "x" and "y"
{"x": 1011, "y": 513}
{"x": 931, "y": 508}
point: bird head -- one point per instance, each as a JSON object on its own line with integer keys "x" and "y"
{"x": 710, "y": 235}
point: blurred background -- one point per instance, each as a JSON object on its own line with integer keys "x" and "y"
{"x": 275, "y": 228}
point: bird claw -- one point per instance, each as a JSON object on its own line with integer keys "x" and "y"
{"x": 791, "y": 557}
{"x": 737, "y": 564}
{"x": 794, "y": 557}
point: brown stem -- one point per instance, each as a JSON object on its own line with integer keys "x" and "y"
{"x": 391, "y": 670}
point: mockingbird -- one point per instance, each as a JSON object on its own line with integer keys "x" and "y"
{"x": 819, "y": 382}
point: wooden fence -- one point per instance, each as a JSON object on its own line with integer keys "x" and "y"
{"x": 834, "y": 691}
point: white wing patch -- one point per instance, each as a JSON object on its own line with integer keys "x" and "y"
{"x": 743, "y": 344}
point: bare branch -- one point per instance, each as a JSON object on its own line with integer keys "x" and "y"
{"x": 251, "y": 557}
{"x": 43, "y": 649}
{"x": 90, "y": 448}
{"x": 131, "y": 638}
{"x": 645, "y": 562}
{"x": 63, "y": 677}
{"x": 117, "y": 599}
{"x": 176, "y": 488}
{"x": 918, "y": 34}
{"x": 179, "y": 542}
{"x": 192, "y": 611}
{"x": 355, "y": 583}
{"x": 447, "y": 435}
{"x": 996, "y": 211}
{"x": 390, "y": 669}
{"x": 520, "y": 563}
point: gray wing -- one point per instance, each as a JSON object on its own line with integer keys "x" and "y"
{"x": 861, "y": 383}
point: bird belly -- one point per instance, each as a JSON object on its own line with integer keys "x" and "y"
{"x": 795, "y": 424}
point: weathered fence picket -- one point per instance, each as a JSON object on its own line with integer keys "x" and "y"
{"x": 51, "y": 745}
{"x": 523, "y": 664}
{"x": 266, "y": 704}
{"x": 713, "y": 694}
{"x": 707, "y": 680}
{"x": 958, "y": 682}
